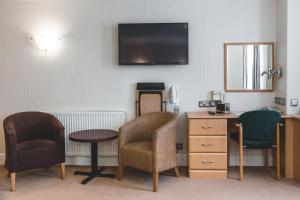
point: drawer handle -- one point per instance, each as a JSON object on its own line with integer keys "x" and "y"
{"x": 207, "y": 127}
{"x": 206, "y": 145}
{"x": 207, "y": 162}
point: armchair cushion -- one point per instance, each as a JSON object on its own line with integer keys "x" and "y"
{"x": 38, "y": 153}
{"x": 138, "y": 155}
{"x": 33, "y": 145}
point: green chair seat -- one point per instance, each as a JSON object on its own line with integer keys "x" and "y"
{"x": 252, "y": 144}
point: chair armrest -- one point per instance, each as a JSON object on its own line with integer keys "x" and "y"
{"x": 11, "y": 149}
{"x": 238, "y": 125}
{"x": 281, "y": 124}
{"x": 164, "y": 146}
{"x": 59, "y": 131}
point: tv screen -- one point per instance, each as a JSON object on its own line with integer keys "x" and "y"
{"x": 153, "y": 44}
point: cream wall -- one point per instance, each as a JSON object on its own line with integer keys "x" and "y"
{"x": 85, "y": 75}
{"x": 288, "y": 42}
{"x": 293, "y": 43}
{"x": 281, "y": 49}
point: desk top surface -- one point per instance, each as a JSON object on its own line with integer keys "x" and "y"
{"x": 93, "y": 135}
{"x": 206, "y": 115}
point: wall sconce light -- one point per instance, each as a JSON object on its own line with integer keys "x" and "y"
{"x": 46, "y": 42}
{"x": 276, "y": 72}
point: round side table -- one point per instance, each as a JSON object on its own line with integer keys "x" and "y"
{"x": 93, "y": 136}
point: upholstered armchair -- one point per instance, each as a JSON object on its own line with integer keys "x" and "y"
{"x": 33, "y": 140}
{"x": 148, "y": 143}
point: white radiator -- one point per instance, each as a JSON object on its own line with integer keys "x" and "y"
{"x": 79, "y": 153}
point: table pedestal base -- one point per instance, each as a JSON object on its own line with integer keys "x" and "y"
{"x": 95, "y": 172}
{"x": 92, "y": 175}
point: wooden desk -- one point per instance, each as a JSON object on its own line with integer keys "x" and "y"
{"x": 208, "y": 138}
{"x": 294, "y": 151}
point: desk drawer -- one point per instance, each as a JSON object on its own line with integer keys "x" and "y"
{"x": 208, "y": 161}
{"x": 208, "y": 174}
{"x": 207, "y": 144}
{"x": 207, "y": 127}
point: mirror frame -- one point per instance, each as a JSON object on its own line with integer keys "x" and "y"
{"x": 226, "y": 71}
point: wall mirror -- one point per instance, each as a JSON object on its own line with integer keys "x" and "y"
{"x": 247, "y": 67}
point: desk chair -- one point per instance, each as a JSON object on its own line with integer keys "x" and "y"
{"x": 259, "y": 129}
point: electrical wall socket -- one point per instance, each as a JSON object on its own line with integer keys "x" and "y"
{"x": 294, "y": 102}
{"x": 280, "y": 100}
{"x": 179, "y": 146}
{"x": 207, "y": 103}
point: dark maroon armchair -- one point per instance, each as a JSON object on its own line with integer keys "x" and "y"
{"x": 33, "y": 140}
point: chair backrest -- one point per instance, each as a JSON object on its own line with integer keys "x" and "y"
{"x": 259, "y": 125}
{"x": 150, "y": 97}
{"x": 150, "y": 122}
{"x": 150, "y": 102}
{"x": 30, "y": 125}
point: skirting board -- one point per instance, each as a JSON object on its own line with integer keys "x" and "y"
{"x": 182, "y": 160}
{"x": 103, "y": 160}
{"x": 110, "y": 160}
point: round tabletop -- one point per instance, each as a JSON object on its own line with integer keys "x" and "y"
{"x": 93, "y": 135}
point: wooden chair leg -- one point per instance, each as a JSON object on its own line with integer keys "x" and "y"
{"x": 120, "y": 172}
{"x": 155, "y": 181}
{"x": 62, "y": 170}
{"x": 228, "y": 150}
{"x": 241, "y": 154}
{"x": 13, "y": 181}
{"x": 177, "y": 174}
{"x": 278, "y": 152}
{"x": 266, "y": 157}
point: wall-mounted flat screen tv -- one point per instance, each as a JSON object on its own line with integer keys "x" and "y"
{"x": 153, "y": 44}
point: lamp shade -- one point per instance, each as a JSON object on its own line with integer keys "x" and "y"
{"x": 46, "y": 42}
